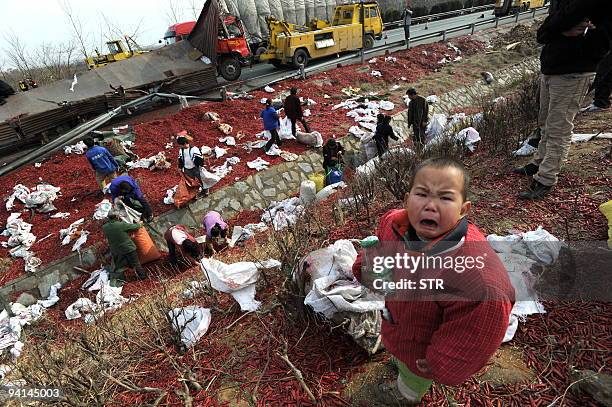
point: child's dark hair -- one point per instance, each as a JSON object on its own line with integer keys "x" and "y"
{"x": 192, "y": 248}
{"x": 444, "y": 162}
{"x": 217, "y": 231}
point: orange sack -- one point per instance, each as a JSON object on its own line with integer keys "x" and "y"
{"x": 186, "y": 191}
{"x": 145, "y": 247}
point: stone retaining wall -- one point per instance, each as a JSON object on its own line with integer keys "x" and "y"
{"x": 255, "y": 192}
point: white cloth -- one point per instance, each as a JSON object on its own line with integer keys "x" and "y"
{"x": 179, "y": 236}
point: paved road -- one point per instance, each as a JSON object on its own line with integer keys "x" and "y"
{"x": 390, "y": 36}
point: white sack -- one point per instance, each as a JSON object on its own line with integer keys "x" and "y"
{"x": 237, "y": 279}
{"x": 191, "y": 322}
{"x": 308, "y": 192}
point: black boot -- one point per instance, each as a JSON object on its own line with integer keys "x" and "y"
{"x": 529, "y": 169}
{"x": 536, "y": 191}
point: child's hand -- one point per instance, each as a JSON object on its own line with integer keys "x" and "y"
{"x": 422, "y": 366}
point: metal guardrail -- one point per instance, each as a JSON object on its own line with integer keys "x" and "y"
{"x": 431, "y": 17}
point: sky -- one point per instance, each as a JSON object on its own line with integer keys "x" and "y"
{"x": 38, "y": 21}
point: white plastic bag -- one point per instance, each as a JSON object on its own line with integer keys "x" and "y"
{"x": 308, "y": 192}
{"x": 470, "y": 137}
{"x": 237, "y": 279}
{"x": 312, "y": 139}
{"x": 329, "y": 190}
{"x": 544, "y": 246}
{"x": 525, "y": 150}
{"x": 436, "y": 126}
{"x": 191, "y": 322}
{"x": 208, "y": 178}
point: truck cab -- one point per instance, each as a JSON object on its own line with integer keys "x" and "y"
{"x": 178, "y": 32}
{"x": 353, "y": 27}
{"x": 351, "y": 14}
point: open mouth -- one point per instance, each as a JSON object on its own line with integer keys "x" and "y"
{"x": 429, "y": 223}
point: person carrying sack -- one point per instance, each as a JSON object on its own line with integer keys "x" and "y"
{"x": 293, "y": 110}
{"x": 190, "y": 161}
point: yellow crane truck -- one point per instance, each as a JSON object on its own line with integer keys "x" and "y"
{"x": 117, "y": 52}
{"x": 295, "y": 45}
{"x": 505, "y": 7}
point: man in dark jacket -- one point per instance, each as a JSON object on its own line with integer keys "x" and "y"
{"x": 102, "y": 162}
{"x": 384, "y": 131}
{"x": 271, "y": 124}
{"x": 576, "y": 37}
{"x": 418, "y": 112}
{"x": 332, "y": 154}
{"x": 293, "y": 110}
{"x": 122, "y": 248}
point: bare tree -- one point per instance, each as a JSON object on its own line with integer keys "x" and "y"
{"x": 196, "y": 7}
{"x": 16, "y": 53}
{"x": 77, "y": 26}
{"x": 174, "y": 12}
{"x": 54, "y": 61}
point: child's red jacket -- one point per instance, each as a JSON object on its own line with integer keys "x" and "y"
{"x": 457, "y": 338}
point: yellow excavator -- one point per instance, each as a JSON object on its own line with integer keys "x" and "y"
{"x": 117, "y": 52}
{"x": 292, "y": 44}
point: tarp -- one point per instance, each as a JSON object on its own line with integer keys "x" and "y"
{"x": 205, "y": 32}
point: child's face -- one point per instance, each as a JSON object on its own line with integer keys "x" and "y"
{"x": 435, "y": 202}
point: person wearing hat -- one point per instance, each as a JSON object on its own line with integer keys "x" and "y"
{"x": 418, "y": 112}
{"x": 271, "y": 124}
{"x": 190, "y": 160}
{"x": 293, "y": 110}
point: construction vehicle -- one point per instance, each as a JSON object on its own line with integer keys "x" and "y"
{"x": 295, "y": 45}
{"x": 505, "y": 7}
{"x": 117, "y": 52}
{"x": 233, "y": 51}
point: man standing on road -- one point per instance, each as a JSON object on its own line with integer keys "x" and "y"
{"x": 573, "y": 47}
{"x": 418, "y": 112}
{"x": 407, "y": 17}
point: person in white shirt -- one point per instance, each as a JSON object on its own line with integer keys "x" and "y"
{"x": 190, "y": 161}
{"x": 177, "y": 235}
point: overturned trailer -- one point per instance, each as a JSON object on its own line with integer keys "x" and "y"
{"x": 42, "y": 114}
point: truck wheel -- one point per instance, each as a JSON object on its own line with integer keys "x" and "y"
{"x": 230, "y": 69}
{"x": 368, "y": 42}
{"x": 300, "y": 57}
